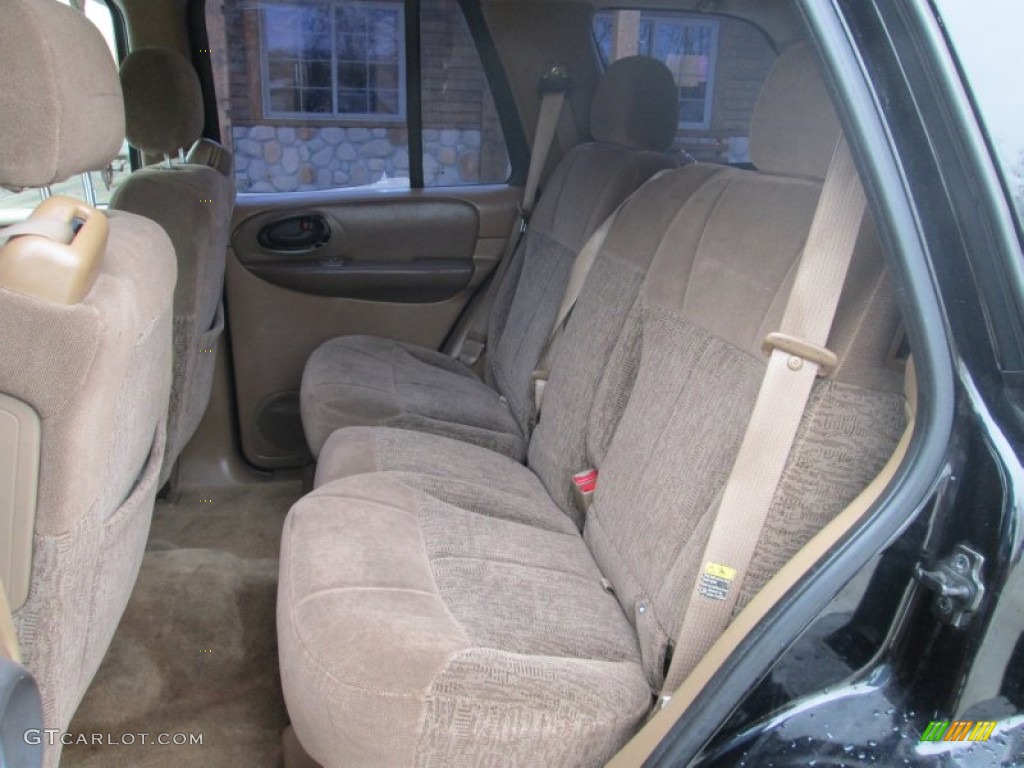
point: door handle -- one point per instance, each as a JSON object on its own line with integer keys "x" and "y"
{"x": 305, "y": 232}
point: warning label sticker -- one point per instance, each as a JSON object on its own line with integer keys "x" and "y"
{"x": 715, "y": 581}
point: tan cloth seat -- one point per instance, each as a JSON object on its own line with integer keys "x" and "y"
{"x": 470, "y": 615}
{"x": 362, "y": 381}
{"x": 95, "y": 369}
{"x": 426, "y": 619}
{"x": 193, "y": 202}
{"x": 592, "y": 369}
{"x": 452, "y": 470}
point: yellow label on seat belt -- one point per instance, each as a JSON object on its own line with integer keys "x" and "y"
{"x": 721, "y": 571}
{"x": 716, "y": 580}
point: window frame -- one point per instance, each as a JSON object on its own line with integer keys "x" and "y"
{"x": 335, "y": 116}
{"x": 683, "y": 19}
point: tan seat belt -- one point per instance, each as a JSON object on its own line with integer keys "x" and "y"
{"x": 580, "y": 269}
{"x": 555, "y": 86}
{"x": 643, "y": 744}
{"x": 8, "y": 636}
{"x": 798, "y": 356}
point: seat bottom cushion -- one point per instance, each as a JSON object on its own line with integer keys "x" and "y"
{"x": 367, "y": 381}
{"x": 456, "y": 472}
{"x": 414, "y": 631}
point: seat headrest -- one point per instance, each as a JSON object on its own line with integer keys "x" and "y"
{"x": 61, "y": 111}
{"x": 636, "y": 105}
{"x": 794, "y": 129}
{"x": 163, "y": 101}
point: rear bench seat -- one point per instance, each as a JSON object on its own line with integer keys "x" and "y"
{"x": 364, "y": 380}
{"x": 437, "y": 603}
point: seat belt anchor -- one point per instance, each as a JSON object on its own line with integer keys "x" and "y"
{"x": 801, "y": 350}
{"x": 556, "y": 80}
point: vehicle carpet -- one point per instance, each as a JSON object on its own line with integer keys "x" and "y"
{"x": 196, "y": 650}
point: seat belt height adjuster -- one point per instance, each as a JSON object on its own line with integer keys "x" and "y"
{"x": 800, "y": 351}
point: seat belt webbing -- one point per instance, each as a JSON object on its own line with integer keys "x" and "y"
{"x": 474, "y": 342}
{"x": 580, "y": 269}
{"x": 551, "y": 104}
{"x": 798, "y": 356}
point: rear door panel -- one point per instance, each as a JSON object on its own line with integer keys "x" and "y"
{"x": 304, "y": 268}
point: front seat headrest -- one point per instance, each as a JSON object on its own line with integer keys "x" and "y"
{"x": 163, "y": 101}
{"x": 61, "y": 110}
{"x": 794, "y": 129}
{"x": 636, "y": 105}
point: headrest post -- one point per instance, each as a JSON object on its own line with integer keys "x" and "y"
{"x": 90, "y": 191}
{"x": 45, "y": 193}
{"x": 167, "y": 160}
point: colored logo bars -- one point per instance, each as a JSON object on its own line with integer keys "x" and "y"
{"x": 958, "y": 730}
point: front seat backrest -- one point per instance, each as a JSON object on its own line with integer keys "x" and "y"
{"x": 87, "y": 367}
{"x": 193, "y": 203}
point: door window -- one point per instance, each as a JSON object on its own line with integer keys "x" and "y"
{"x": 318, "y": 95}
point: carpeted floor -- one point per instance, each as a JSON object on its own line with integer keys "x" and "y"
{"x": 196, "y": 651}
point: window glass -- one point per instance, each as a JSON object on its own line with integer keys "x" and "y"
{"x": 988, "y": 53}
{"x": 99, "y": 183}
{"x": 462, "y": 138}
{"x": 719, "y": 65}
{"x": 313, "y": 95}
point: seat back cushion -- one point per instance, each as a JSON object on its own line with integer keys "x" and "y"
{"x": 706, "y": 306}
{"x": 193, "y": 203}
{"x": 599, "y": 340}
{"x": 98, "y": 375}
{"x": 586, "y": 187}
{"x": 96, "y": 372}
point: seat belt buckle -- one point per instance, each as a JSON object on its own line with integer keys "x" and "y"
{"x": 583, "y": 486}
{"x": 472, "y": 348}
{"x": 799, "y": 351}
{"x": 538, "y": 382}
